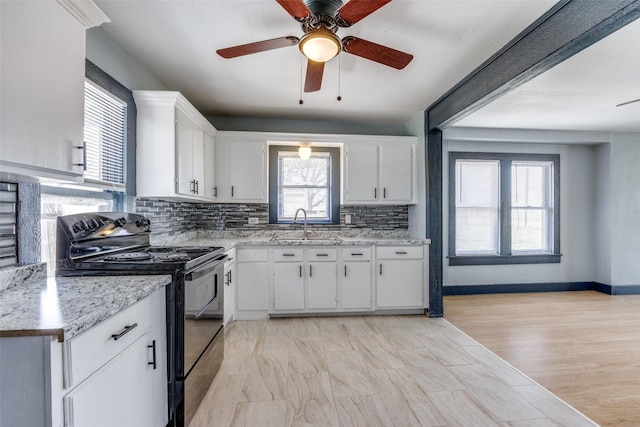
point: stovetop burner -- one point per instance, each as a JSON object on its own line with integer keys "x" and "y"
{"x": 129, "y": 256}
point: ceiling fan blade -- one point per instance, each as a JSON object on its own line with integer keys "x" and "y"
{"x": 628, "y": 102}
{"x": 376, "y": 52}
{"x": 355, "y": 10}
{"x": 313, "y": 80}
{"x": 249, "y": 48}
{"x": 296, "y": 8}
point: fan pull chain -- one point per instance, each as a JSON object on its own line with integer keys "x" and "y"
{"x": 339, "y": 98}
{"x": 301, "y": 79}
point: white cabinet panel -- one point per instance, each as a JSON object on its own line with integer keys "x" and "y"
{"x": 208, "y": 188}
{"x": 252, "y": 284}
{"x": 117, "y": 395}
{"x": 396, "y": 173}
{"x": 240, "y": 169}
{"x": 355, "y": 291}
{"x": 399, "y": 283}
{"x": 321, "y": 285}
{"x": 42, "y": 118}
{"x": 361, "y": 169}
{"x": 288, "y": 286}
{"x": 230, "y": 273}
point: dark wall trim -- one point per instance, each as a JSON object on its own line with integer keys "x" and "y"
{"x": 541, "y": 287}
{"x": 504, "y": 259}
{"x": 567, "y": 28}
{"x": 108, "y": 83}
{"x": 434, "y": 220}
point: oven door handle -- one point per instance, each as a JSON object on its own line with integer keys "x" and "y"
{"x": 198, "y": 314}
{"x": 195, "y": 275}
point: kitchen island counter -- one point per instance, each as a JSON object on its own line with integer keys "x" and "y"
{"x": 66, "y": 306}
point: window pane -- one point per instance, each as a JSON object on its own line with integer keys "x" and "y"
{"x": 311, "y": 172}
{"x": 529, "y": 183}
{"x": 476, "y": 205}
{"x": 314, "y": 200}
{"x": 529, "y": 230}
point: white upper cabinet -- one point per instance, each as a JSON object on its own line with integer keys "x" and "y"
{"x": 380, "y": 173}
{"x": 241, "y": 168}
{"x": 175, "y": 153}
{"x": 42, "y": 81}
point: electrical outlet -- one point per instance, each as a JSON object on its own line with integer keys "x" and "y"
{"x": 254, "y": 221}
{"x": 347, "y": 219}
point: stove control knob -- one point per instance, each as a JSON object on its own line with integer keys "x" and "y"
{"x": 79, "y": 226}
{"x": 93, "y": 224}
{"x": 120, "y": 222}
{"x": 143, "y": 222}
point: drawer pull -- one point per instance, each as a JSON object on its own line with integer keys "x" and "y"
{"x": 124, "y": 331}
{"x": 310, "y": 271}
{"x": 356, "y": 254}
{"x": 345, "y": 271}
{"x": 322, "y": 254}
{"x": 300, "y": 271}
{"x": 153, "y": 349}
{"x": 401, "y": 252}
{"x": 288, "y": 254}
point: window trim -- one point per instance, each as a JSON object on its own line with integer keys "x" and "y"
{"x": 505, "y": 256}
{"x": 334, "y": 194}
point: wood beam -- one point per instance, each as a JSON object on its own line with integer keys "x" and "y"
{"x": 566, "y": 29}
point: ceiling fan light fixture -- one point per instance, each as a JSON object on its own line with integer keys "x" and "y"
{"x": 320, "y": 45}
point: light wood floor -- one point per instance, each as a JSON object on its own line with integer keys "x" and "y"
{"x": 371, "y": 371}
{"x": 582, "y": 346}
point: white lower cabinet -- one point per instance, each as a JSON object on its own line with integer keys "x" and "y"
{"x": 119, "y": 394}
{"x": 251, "y": 289}
{"x": 230, "y": 275}
{"x": 355, "y": 279}
{"x": 400, "y": 277}
{"x": 288, "y": 286}
{"x": 321, "y": 286}
{"x": 116, "y": 372}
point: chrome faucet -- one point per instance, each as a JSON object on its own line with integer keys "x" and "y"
{"x": 295, "y": 218}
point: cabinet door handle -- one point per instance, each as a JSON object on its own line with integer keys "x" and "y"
{"x": 153, "y": 350}
{"x": 384, "y": 193}
{"x": 123, "y": 332}
{"x": 197, "y": 187}
{"x": 356, "y": 254}
{"x": 232, "y": 191}
{"x": 82, "y": 147}
{"x": 300, "y": 270}
{"x": 345, "y": 271}
{"x": 322, "y": 254}
{"x": 310, "y": 271}
{"x": 401, "y": 252}
{"x": 381, "y": 269}
{"x": 215, "y": 191}
{"x": 230, "y": 279}
{"x": 288, "y": 254}
{"x": 192, "y": 186}
{"x": 375, "y": 193}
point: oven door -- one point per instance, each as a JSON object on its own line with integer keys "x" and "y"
{"x": 203, "y": 333}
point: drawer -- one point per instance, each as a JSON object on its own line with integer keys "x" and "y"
{"x": 288, "y": 254}
{"x": 356, "y": 254}
{"x": 399, "y": 252}
{"x": 252, "y": 255}
{"x": 320, "y": 254}
{"x": 93, "y": 348}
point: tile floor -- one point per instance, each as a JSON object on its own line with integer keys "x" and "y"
{"x": 371, "y": 371}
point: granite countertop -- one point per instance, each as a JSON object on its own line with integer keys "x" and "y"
{"x": 66, "y": 306}
{"x": 229, "y": 240}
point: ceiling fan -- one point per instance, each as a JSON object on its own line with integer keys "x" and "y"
{"x": 320, "y": 21}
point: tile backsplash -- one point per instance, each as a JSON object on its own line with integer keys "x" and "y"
{"x": 174, "y": 218}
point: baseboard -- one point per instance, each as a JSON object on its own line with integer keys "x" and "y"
{"x": 540, "y": 287}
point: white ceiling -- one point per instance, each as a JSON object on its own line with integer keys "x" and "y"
{"x": 580, "y": 93}
{"x": 176, "y": 40}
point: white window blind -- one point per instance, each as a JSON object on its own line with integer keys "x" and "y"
{"x": 8, "y": 219}
{"x": 104, "y": 137}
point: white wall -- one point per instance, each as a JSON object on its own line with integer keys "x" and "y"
{"x": 119, "y": 63}
{"x": 418, "y": 212}
{"x": 577, "y": 204}
{"x": 602, "y": 211}
{"x": 625, "y": 209}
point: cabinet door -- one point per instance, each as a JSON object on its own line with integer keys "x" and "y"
{"x": 207, "y": 188}
{"x": 185, "y": 129}
{"x": 230, "y": 291}
{"x": 321, "y": 285}
{"x": 247, "y": 171}
{"x": 119, "y": 394}
{"x": 222, "y": 186}
{"x": 251, "y": 289}
{"x": 288, "y": 286}
{"x": 399, "y": 284}
{"x": 42, "y": 96}
{"x": 361, "y": 171}
{"x": 356, "y": 286}
{"x": 396, "y": 173}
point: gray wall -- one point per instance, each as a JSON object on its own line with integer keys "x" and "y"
{"x": 577, "y": 199}
{"x": 602, "y": 262}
